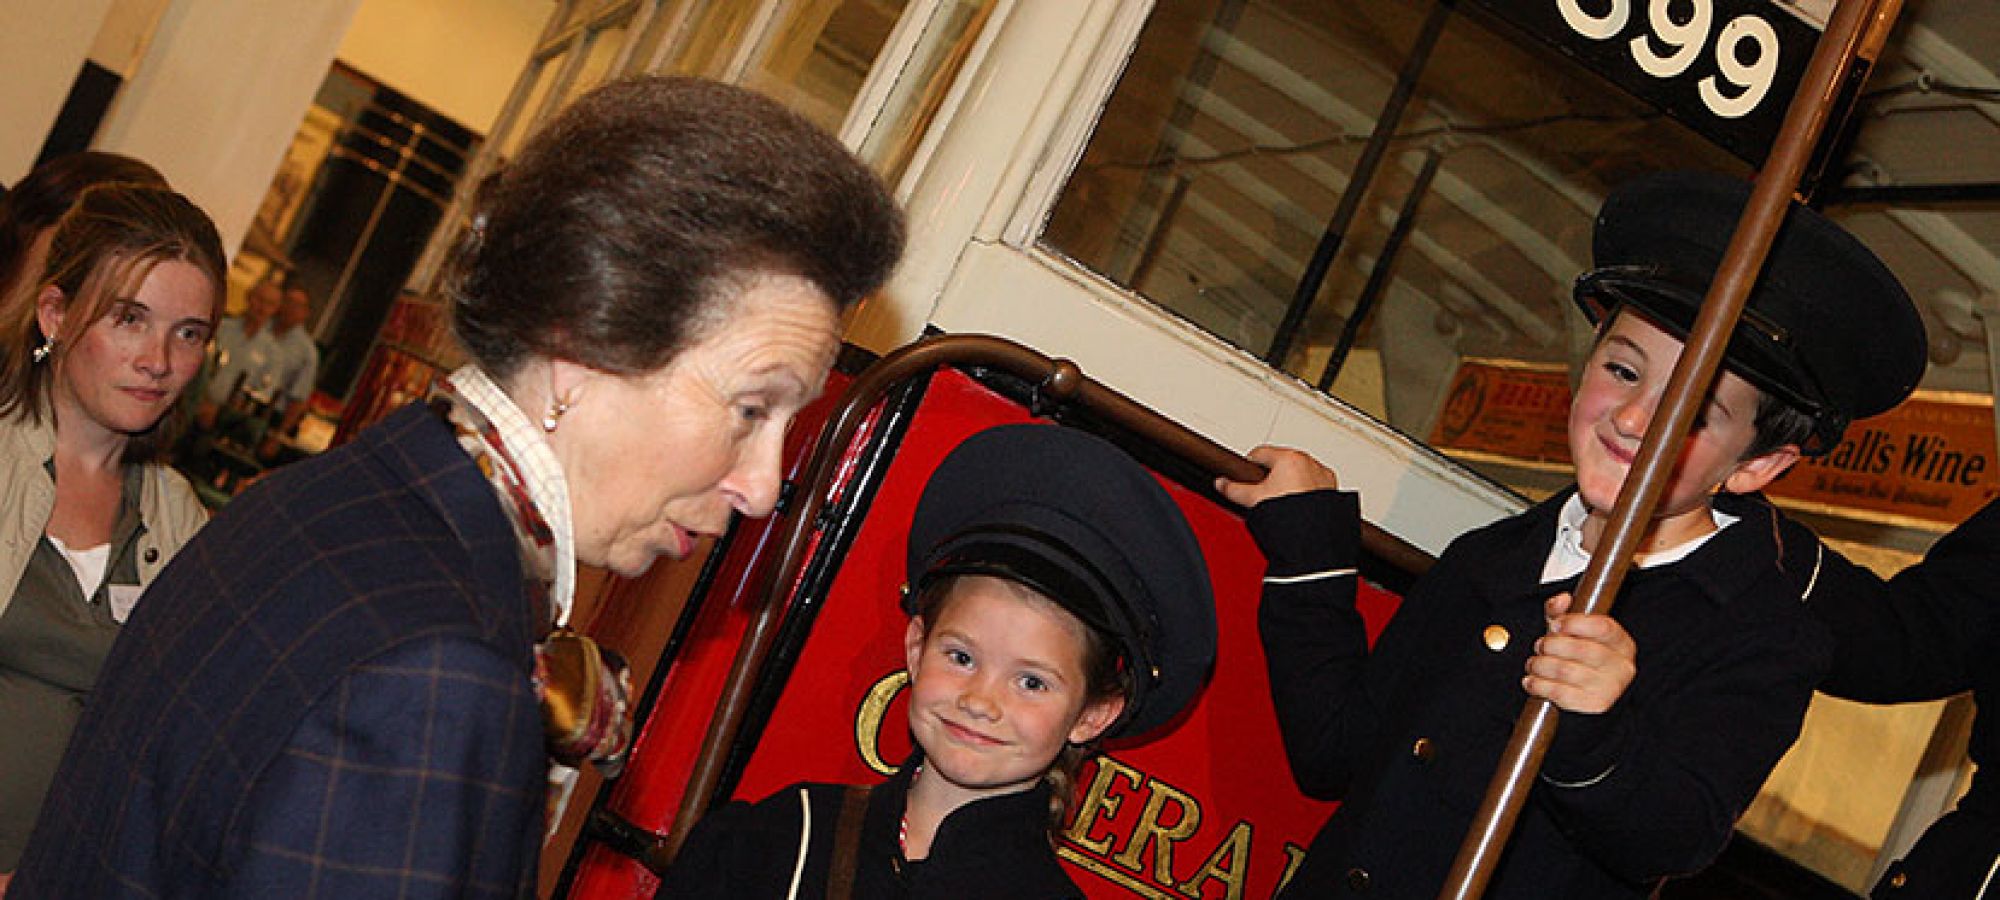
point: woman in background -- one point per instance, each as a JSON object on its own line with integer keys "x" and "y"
{"x": 94, "y": 351}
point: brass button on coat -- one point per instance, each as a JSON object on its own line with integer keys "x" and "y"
{"x": 1423, "y": 750}
{"x": 1357, "y": 879}
{"x": 1496, "y": 637}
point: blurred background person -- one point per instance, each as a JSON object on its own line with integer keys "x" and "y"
{"x": 245, "y": 354}
{"x": 97, "y": 347}
{"x": 335, "y": 688}
{"x": 261, "y": 374}
{"x": 297, "y": 365}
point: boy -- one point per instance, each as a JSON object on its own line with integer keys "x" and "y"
{"x": 1674, "y": 711}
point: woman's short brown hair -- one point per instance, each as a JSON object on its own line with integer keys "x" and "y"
{"x": 624, "y": 222}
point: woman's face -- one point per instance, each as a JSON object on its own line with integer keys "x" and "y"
{"x": 656, "y": 461}
{"x": 121, "y": 373}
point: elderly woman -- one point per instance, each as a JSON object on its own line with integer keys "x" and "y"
{"x": 333, "y": 692}
{"x": 94, "y": 350}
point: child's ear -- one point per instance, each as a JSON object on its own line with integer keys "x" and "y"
{"x": 913, "y": 642}
{"x": 1755, "y": 473}
{"x": 1097, "y": 716}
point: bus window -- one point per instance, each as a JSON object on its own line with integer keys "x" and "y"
{"x": 716, "y": 31}
{"x": 601, "y": 47}
{"x": 873, "y": 71}
{"x": 1234, "y": 132}
{"x": 816, "y": 59}
{"x": 937, "y": 51}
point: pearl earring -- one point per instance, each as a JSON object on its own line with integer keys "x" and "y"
{"x": 42, "y": 353}
{"x": 553, "y": 417}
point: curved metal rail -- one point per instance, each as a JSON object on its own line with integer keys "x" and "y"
{"x": 1058, "y": 380}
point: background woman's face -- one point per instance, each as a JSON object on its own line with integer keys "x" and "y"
{"x": 656, "y": 461}
{"x": 125, "y": 370}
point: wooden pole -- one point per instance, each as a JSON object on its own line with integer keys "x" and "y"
{"x": 1686, "y": 390}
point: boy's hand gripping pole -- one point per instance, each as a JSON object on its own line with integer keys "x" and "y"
{"x": 1686, "y": 391}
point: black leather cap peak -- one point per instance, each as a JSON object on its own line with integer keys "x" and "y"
{"x": 1075, "y": 518}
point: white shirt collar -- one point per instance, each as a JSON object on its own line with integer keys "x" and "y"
{"x": 1567, "y": 558}
{"x": 541, "y": 473}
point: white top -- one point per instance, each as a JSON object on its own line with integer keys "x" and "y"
{"x": 1567, "y": 558}
{"x": 87, "y": 564}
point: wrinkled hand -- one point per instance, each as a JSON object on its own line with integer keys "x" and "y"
{"x": 1584, "y": 664}
{"x": 1291, "y": 472}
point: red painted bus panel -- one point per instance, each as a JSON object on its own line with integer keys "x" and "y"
{"x": 1206, "y": 809}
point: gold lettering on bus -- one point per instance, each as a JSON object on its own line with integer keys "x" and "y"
{"x": 868, "y": 720}
{"x": 1100, "y": 800}
{"x": 1230, "y": 863}
{"x": 1294, "y": 854}
{"x": 1111, "y": 784}
{"x": 1163, "y": 838}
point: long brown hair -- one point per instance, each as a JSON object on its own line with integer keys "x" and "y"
{"x": 102, "y": 249}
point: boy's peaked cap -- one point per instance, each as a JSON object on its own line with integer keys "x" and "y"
{"x": 1827, "y": 328}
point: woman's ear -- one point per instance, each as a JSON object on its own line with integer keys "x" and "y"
{"x": 569, "y": 381}
{"x": 49, "y": 310}
{"x": 1097, "y": 715}
{"x": 1757, "y": 472}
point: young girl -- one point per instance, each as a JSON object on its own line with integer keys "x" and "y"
{"x": 1057, "y": 597}
{"x": 1674, "y": 707}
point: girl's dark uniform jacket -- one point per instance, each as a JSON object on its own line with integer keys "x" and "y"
{"x": 986, "y": 850}
{"x": 1408, "y": 736}
{"x": 1927, "y": 634}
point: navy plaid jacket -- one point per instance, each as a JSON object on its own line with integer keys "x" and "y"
{"x": 327, "y": 694}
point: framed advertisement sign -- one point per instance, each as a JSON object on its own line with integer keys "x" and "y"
{"x": 1725, "y": 68}
{"x": 1928, "y": 463}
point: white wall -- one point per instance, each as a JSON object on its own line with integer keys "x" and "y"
{"x": 128, "y": 29}
{"x": 42, "y": 46}
{"x": 219, "y": 93}
{"x": 459, "y": 57}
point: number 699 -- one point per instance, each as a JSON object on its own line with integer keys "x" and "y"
{"x": 1685, "y": 39}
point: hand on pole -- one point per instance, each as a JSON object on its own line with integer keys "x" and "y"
{"x": 1584, "y": 664}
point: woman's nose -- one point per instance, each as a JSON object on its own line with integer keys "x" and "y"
{"x": 754, "y": 486}
{"x": 155, "y": 357}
